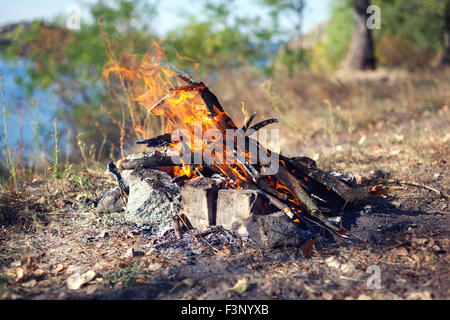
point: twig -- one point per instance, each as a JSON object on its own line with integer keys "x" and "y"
{"x": 262, "y": 124}
{"x": 347, "y": 193}
{"x": 419, "y": 185}
{"x": 159, "y": 141}
{"x": 188, "y": 229}
{"x": 124, "y": 189}
{"x": 176, "y": 226}
{"x": 249, "y": 121}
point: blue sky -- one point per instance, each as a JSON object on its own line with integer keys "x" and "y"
{"x": 171, "y": 14}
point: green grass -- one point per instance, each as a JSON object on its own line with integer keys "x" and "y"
{"x": 127, "y": 276}
{"x": 9, "y": 157}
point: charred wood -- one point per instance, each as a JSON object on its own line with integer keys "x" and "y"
{"x": 124, "y": 190}
{"x": 159, "y": 141}
{"x": 148, "y": 162}
{"x": 262, "y": 124}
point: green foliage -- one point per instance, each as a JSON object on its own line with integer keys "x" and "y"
{"x": 411, "y": 32}
{"x": 286, "y": 7}
{"x": 329, "y": 54}
{"x": 223, "y": 39}
{"x": 420, "y": 21}
{"x": 127, "y": 276}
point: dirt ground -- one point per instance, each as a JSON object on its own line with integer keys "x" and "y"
{"x": 51, "y": 239}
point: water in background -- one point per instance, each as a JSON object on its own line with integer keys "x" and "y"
{"x": 35, "y": 114}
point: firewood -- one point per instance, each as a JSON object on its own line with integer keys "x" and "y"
{"x": 248, "y": 122}
{"x": 262, "y": 124}
{"x": 124, "y": 190}
{"x": 159, "y": 141}
{"x": 347, "y": 193}
{"x": 309, "y": 204}
{"x": 148, "y": 162}
{"x": 292, "y": 171}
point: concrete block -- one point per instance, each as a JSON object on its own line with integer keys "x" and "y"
{"x": 234, "y": 207}
{"x": 198, "y": 202}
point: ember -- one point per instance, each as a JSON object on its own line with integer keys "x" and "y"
{"x": 203, "y": 141}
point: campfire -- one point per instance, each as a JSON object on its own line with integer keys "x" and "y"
{"x": 205, "y": 150}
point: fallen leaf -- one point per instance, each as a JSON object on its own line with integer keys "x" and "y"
{"x": 362, "y": 140}
{"x": 154, "y": 266}
{"x": 241, "y": 286}
{"x": 91, "y": 289}
{"x": 38, "y": 273}
{"x": 419, "y": 241}
{"x": 332, "y": 262}
{"x": 417, "y": 295}
{"x": 75, "y": 281}
{"x": 19, "y": 274}
{"x": 58, "y": 268}
{"x": 71, "y": 269}
{"x": 189, "y": 282}
{"x": 129, "y": 253}
{"x": 308, "y": 247}
{"x": 327, "y": 295}
{"x": 400, "y": 251}
{"x": 29, "y": 284}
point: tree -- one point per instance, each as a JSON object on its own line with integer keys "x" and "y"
{"x": 360, "y": 55}
{"x": 412, "y": 32}
{"x": 445, "y": 60}
{"x": 292, "y": 12}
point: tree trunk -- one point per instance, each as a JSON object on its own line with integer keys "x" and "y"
{"x": 445, "y": 60}
{"x": 360, "y": 55}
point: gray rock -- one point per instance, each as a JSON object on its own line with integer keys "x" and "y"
{"x": 110, "y": 202}
{"x": 153, "y": 199}
{"x": 272, "y": 230}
